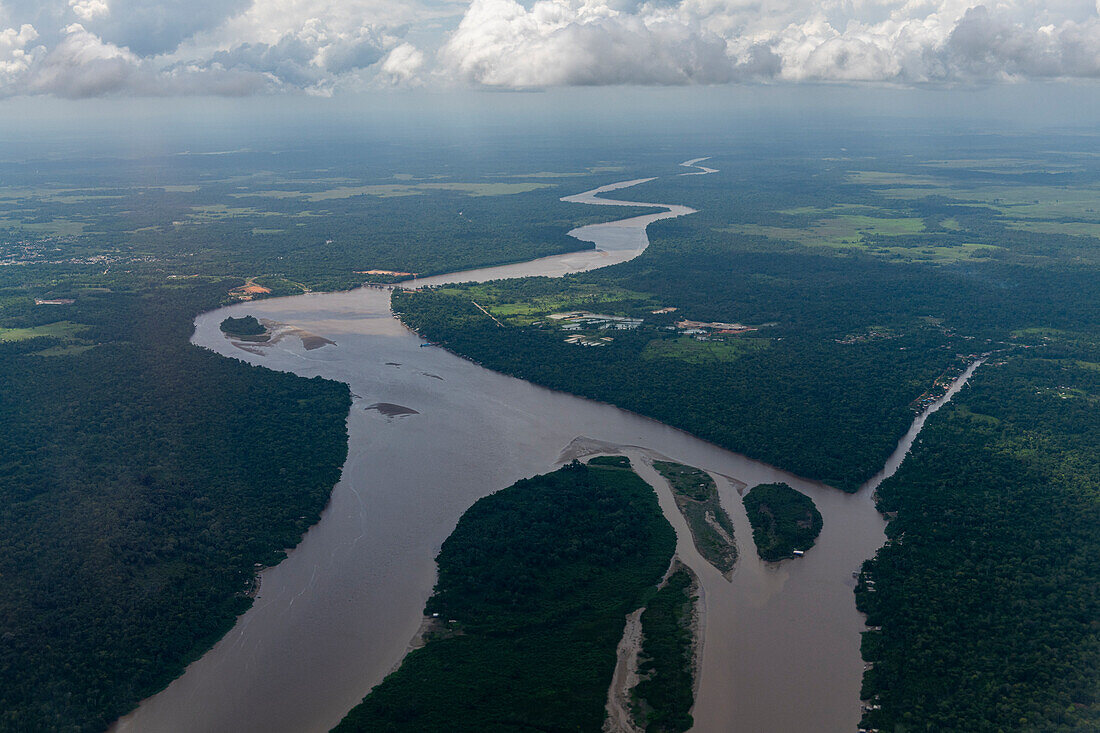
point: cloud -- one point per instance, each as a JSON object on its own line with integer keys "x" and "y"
{"x": 312, "y": 58}
{"x": 567, "y": 42}
{"x": 402, "y": 64}
{"x": 500, "y": 43}
{"x": 82, "y": 65}
{"x": 150, "y": 27}
{"x": 92, "y": 47}
{"x": 15, "y": 59}
{"x": 89, "y": 9}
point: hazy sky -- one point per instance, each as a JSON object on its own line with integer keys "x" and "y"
{"x": 87, "y": 48}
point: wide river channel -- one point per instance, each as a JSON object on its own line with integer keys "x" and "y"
{"x": 780, "y": 640}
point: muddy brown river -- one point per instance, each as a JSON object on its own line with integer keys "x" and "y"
{"x": 430, "y": 434}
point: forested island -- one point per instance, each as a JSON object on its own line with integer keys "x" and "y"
{"x": 784, "y": 521}
{"x": 244, "y": 326}
{"x": 534, "y": 584}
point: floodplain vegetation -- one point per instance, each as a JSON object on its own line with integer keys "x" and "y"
{"x": 534, "y": 585}
{"x": 697, "y": 499}
{"x": 785, "y": 522}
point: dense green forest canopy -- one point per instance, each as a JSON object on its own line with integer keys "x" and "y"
{"x": 664, "y": 696}
{"x": 243, "y": 326}
{"x": 142, "y": 480}
{"x": 534, "y": 584}
{"x": 984, "y": 601}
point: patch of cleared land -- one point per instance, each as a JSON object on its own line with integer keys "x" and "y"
{"x": 839, "y": 231}
{"x": 580, "y": 297}
{"x": 60, "y": 330}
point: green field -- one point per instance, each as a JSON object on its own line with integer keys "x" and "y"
{"x": 525, "y": 309}
{"x": 60, "y": 330}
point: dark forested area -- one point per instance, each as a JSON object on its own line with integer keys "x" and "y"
{"x": 985, "y": 598}
{"x": 665, "y": 695}
{"x": 141, "y": 481}
{"x": 826, "y": 410}
{"x": 534, "y": 584}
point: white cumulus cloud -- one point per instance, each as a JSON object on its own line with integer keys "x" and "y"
{"x": 402, "y": 64}
{"x": 82, "y": 65}
{"x": 564, "y": 42}
{"x": 91, "y": 47}
{"x": 89, "y": 9}
{"x": 15, "y": 57}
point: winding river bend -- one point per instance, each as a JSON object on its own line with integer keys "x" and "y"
{"x": 431, "y": 433}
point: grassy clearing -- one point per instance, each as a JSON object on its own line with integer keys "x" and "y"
{"x": 1002, "y": 165}
{"x": 1015, "y": 202}
{"x": 1073, "y": 228}
{"x": 885, "y": 178}
{"x": 531, "y": 309}
{"x": 686, "y": 348}
{"x": 221, "y": 212}
{"x": 936, "y": 254}
{"x": 831, "y": 210}
{"x": 547, "y": 174}
{"x": 846, "y": 230}
{"x": 56, "y": 227}
{"x": 60, "y": 329}
{"x": 849, "y": 231}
